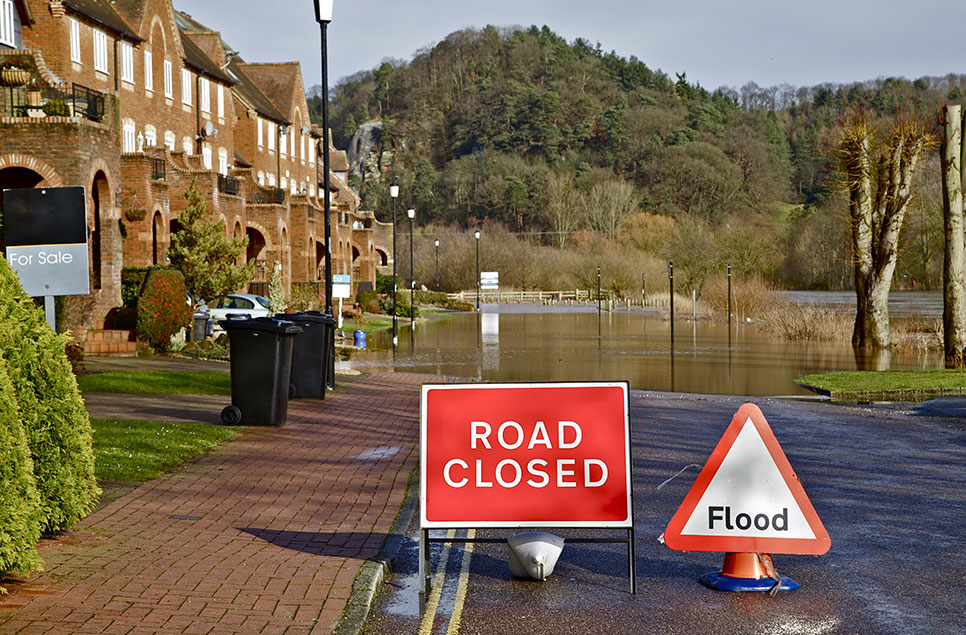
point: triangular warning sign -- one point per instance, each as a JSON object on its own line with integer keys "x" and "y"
{"x": 747, "y": 498}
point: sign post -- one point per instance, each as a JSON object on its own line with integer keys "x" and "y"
{"x": 747, "y": 502}
{"x": 525, "y": 455}
{"x": 341, "y": 288}
{"x": 46, "y": 237}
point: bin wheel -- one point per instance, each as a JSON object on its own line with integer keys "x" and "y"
{"x": 292, "y": 391}
{"x": 231, "y": 415}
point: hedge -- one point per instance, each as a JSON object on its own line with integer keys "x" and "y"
{"x": 163, "y": 309}
{"x": 57, "y": 426}
{"x": 19, "y": 501}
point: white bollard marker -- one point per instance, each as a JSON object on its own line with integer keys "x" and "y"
{"x": 534, "y": 554}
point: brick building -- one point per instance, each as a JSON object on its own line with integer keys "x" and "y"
{"x": 135, "y": 101}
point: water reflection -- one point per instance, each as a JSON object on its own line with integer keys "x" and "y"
{"x": 632, "y": 346}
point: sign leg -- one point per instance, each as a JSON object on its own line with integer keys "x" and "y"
{"x": 49, "y": 312}
{"x": 423, "y": 568}
{"x": 631, "y": 558}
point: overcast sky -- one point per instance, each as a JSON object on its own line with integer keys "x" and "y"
{"x": 717, "y": 43}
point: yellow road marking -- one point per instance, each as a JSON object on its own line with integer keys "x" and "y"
{"x": 429, "y": 615}
{"x": 454, "y": 620}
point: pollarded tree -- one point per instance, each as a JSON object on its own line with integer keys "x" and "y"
{"x": 203, "y": 253}
{"x": 878, "y": 168}
{"x": 954, "y": 262}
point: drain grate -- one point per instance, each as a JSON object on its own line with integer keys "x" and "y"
{"x": 185, "y": 517}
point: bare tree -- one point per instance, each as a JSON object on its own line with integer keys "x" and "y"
{"x": 954, "y": 265}
{"x": 566, "y": 209}
{"x": 878, "y": 169}
{"x": 609, "y": 203}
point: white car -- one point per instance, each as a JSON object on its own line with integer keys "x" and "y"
{"x": 238, "y": 305}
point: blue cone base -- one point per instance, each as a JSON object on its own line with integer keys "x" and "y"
{"x": 720, "y": 582}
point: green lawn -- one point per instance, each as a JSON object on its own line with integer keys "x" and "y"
{"x": 882, "y": 381}
{"x": 140, "y": 451}
{"x": 153, "y": 382}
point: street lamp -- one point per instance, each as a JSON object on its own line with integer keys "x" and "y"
{"x": 323, "y": 15}
{"x": 477, "y": 270}
{"x": 412, "y": 275}
{"x": 437, "y": 264}
{"x": 394, "y": 193}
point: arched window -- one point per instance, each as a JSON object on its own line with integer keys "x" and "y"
{"x": 128, "y": 142}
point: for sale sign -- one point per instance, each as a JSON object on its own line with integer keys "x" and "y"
{"x": 520, "y": 455}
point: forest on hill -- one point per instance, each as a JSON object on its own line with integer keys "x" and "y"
{"x": 569, "y": 148}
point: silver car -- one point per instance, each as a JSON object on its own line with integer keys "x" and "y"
{"x": 238, "y": 305}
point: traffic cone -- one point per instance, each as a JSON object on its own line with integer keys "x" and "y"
{"x": 748, "y": 572}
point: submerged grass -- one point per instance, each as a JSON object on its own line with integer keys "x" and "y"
{"x": 153, "y": 382}
{"x": 140, "y": 451}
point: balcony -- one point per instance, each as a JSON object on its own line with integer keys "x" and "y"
{"x": 274, "y": 196}
{"x": 228, "y": 184}
{"x": 47, "y": 101}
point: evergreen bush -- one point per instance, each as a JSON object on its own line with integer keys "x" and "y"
{"x": 163, "y": 309}
{"x": 57, "y": 426}
{"x": 19, "y": 502}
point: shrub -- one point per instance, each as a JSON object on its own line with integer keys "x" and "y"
{"x": 56, "y": 108}
{"x": 368, "y": 301}
{"x": 791, "y": 321}
{"x": 132, "y": 282}
{"x": 54, "y": 418}
{"x": 19, "y": 502}
{"x": 163, "y": 310}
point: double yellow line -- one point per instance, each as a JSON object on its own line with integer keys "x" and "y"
{"x": 432, "y": 606}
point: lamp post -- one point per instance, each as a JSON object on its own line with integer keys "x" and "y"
{"x": 412, "y": 275}
{"x": 394, "y": 193}
{"x": 437, "y": 264}
{"x": 323, "y": 15}
{"x": 477, "y": 271}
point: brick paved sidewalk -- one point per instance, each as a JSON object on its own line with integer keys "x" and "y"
{"x": 265, "y": 535}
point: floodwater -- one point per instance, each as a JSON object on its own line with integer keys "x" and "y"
{"x": 534, "y": 343}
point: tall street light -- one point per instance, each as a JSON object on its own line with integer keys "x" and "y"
{"x": 437, "y": 264}
{"x": 412, "y": 274}
{"x": 323, "y": 15}
{"x": 477, "y": 270}
{"x": 394, "y": 193}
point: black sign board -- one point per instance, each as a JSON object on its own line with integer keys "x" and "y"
{"x": 44, "y": 216}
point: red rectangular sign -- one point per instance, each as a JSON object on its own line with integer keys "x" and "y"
{"x": 525, "y": 455}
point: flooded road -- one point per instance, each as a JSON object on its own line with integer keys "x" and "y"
{"x": 506, "y": 342}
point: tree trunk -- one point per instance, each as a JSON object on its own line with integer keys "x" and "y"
{"x": 954, "y": 265}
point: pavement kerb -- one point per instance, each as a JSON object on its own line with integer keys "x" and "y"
{"x": 368, "y": 582}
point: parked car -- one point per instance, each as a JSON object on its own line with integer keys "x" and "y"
{"x": 238, "y": 305}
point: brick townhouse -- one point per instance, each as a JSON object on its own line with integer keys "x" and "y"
{"x": 135, "y": 101}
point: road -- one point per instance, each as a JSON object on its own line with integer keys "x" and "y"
{"x": 887, "y": 482}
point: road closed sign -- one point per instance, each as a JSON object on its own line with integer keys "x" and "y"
{"x": 747, "y": 498}
{"x": 516, "y": 455}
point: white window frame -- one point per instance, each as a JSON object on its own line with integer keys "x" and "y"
{"x": 271, "y": 179}
{"x": 223, "y": 161}
{"x": 311, "y": 151}
{"x": 261, "y": 178}
{"x": 128, "y": 140}
{"x": 187, "y": 146}
{"x": 148, "y": 71}
{"x": 291, "y": 141}
{"x": 8, "y": 31}
{"x": 170, "y": 140}
{"x": 204, "y": 94}
{"x": 221, "y": 101}
{"x": 75, "y": 47}
{"x": 150, "y": 137}
{"x": 206, "y": 156}
{"x": 302, "y": 148}
{"x": 127, "y": 62}
{"x": 168, "y": 80}
{"x": 272, "y": 133}
{"x": 261, "y": 133}
{"x": 100, "y": 51}
{"x": 283, "y": 145}
{"x": 185, "y": 87}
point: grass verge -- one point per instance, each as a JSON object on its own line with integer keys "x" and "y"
{"x": 153, "y": 382}
{"x": 884, "y": 381}
{"x": 141, "y": 451}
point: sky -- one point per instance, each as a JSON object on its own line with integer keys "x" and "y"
{"x": 716, "y": 43}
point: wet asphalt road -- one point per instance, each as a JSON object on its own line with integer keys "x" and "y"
{"x": 887, "y": 482}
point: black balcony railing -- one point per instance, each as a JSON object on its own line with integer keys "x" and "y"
{"x": 158, "y": 169}
{"x": 228, "y": 184}
{"x": 274, "y": 196}
{"x": 48, "y": 101}
{"x": 88, "y": 102}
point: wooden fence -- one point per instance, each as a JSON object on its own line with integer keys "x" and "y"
{"x": 573, "y": 296}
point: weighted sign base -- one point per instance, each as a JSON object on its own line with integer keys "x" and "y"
{"x": 742, "y": 572}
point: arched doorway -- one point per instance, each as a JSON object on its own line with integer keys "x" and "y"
{"x": 157, "y": 228}
{"x": 101, "y": 196}
{"x": 16, "y": 178}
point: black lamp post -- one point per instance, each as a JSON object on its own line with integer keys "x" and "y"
{"x": 394, "y": 193}
{"x": 412, "y": 273}
{"x": 437, "y": 264}
{"x": 477, "y": 270}
{"x": 323, "y": 15}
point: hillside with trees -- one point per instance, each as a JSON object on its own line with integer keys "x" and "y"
{"x": 566, "y": 146}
